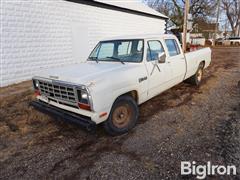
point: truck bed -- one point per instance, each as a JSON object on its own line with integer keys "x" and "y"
{"x": 194, "y": 58}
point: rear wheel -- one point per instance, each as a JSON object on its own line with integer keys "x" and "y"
{"x": 123, "y": 116}
{"x": 197, "y": 78}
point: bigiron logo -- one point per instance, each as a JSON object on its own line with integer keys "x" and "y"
{"x": 202, "y": 171}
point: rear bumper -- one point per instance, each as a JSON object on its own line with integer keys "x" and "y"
{"x": 83, "y": 121}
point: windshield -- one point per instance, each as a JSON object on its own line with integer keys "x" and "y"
{"x": 118, "y": 50}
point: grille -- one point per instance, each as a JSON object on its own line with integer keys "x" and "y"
{"x": 58, "y": 91}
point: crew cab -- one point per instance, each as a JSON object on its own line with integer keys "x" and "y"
{"x": 120, "y": 74}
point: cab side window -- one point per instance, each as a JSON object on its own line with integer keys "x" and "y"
{"x": 154, "y": 48}
{"x": 172, "y": 46}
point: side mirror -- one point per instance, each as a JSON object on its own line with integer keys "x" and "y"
{"x": 162, "y": 57}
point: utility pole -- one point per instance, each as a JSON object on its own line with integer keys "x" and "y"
{"x": 216, "y": 27}
{"x": 238, "y": 27}
{"x": 225, "y": 35}
{"x": 184, "y": 39}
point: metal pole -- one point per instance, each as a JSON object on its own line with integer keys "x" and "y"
{"x": 216, "y": 27}
{"x": 239, "y": 28}
{"x": 184, "y": 39}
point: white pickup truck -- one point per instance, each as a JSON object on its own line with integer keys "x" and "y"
{"x": 120, "y": 74}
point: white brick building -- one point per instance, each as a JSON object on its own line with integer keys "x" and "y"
{"x": 38, "y": 34}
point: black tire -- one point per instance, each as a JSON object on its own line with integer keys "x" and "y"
{"x": 123, "y": 116}
{"x": 197, "y": 77}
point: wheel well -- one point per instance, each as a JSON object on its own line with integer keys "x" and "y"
{"x": 133, "y": 94}
{"x": 202, "y": 62}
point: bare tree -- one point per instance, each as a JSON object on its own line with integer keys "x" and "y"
{"x": 200, "y": 9}
{"x": 232, "y": 10}
{"x": 168, "y": 8}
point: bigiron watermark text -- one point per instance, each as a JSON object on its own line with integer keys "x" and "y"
{"x": 202, "y": 171}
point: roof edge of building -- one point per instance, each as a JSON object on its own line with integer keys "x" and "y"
{"x": 113, "y": 7}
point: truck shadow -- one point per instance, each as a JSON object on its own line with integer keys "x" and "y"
{"x": 177, "y": 96}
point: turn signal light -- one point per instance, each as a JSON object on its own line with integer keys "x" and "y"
{"x": 37, "y": 93}
{"x": 103, "y": 114}
{"x": 84, "y": 106}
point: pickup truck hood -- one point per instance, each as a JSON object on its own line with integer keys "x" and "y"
{"x": 85, "y": 73}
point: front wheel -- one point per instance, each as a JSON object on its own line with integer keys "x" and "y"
{"x": 197, "y": 77}
{"x": 123, "y": 116}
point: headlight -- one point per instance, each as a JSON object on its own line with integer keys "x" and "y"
{"x": 36, "y": 87}
{"x": 84, "y": 99}
{"x": 84, "y": 95}
{"x": 35, "y": 84}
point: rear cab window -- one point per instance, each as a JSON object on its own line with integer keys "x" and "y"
{"x": 172, "y": 46}
{"x": 154, "y": 48}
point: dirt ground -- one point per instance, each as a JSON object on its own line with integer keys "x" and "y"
{"x": 183, "y": 124}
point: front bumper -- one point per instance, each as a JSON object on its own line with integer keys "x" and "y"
{"x": 83, "y": 121}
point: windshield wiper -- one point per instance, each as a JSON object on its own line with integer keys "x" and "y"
{"x": 93, "y": 59}
{"x": 116, "y": 59}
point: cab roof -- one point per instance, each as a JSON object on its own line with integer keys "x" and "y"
{"x": 141, "y": 36}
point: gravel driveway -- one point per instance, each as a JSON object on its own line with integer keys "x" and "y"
{"x": 182, "y": 124}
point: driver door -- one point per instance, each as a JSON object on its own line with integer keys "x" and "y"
{"x": 159, "y": 74}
